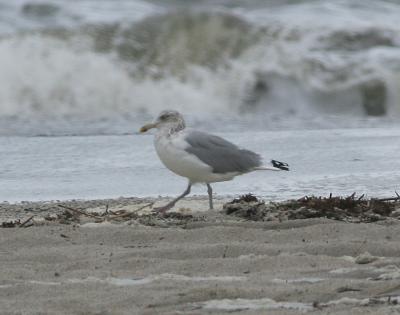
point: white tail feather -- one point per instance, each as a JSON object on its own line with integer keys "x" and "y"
{"x": 266, "y": 168}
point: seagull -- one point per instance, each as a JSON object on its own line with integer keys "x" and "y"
{"x": 201, "y": 157}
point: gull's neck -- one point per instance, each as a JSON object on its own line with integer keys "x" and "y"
{"x": 171, "y": 129}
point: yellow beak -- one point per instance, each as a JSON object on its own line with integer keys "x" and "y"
{"x": 148, "y": 127}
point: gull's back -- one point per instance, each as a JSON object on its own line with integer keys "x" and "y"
{"x": 221, "y": 155}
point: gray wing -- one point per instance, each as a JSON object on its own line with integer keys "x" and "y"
{"x": 223, "y": 156}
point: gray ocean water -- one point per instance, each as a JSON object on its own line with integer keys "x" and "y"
{"x": 312, "y": 83}
{"x": 338, "y": 161}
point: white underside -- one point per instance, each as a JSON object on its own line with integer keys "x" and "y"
{"x": 171, "y": 150}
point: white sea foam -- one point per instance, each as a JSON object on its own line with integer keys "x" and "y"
{"x": 278, "y": 63}
{"x": 32, "y": 14}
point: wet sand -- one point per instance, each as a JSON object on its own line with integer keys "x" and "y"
{"x": 210, "y": 263}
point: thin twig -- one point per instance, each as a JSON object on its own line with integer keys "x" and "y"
{"x": 128, "y": 214}
{"x": 26, "y": 221}
{"x": 80, "y": 212}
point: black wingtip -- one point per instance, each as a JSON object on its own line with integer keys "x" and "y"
{"x": 281, "y": 165}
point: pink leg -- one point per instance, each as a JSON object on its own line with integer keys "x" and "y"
{"x": 172, "y": 203}
{"x": 210, "y": 197}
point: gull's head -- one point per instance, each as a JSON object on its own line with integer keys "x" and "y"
{"x": 167, "y": 119}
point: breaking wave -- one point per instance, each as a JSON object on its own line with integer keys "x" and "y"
{"x": 224, "y": 62}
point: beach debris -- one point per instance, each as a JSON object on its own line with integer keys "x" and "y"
{"x": 365, "y": 258}
{"x": 17, "y": 223}
{"x": 177, "y": 215}
{"x": 65, "y": 217}
{"x": 247, "y": 206}
{"x": 347, "y": 289}
{"x": 79, "y": 212}
{"x": 74, "y": 214}
{"x": 396, "y": 213}
{"x": 124, "y": 215}
{"x": 349, "y": 209}
{"x": 25, "y": 223}
{"x": 10, "y": 224}
{"x": 123, "y": 210}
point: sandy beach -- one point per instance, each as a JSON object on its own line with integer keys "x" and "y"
{"x": 192, "y": 261}
{"x": 101, "y": 100}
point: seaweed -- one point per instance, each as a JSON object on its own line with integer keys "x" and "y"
{"x": 349, "y": 209}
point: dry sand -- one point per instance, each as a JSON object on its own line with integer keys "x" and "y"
{"x": 209, "y": 264}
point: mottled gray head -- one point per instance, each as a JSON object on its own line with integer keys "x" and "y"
{"x": 167, "y": 119}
